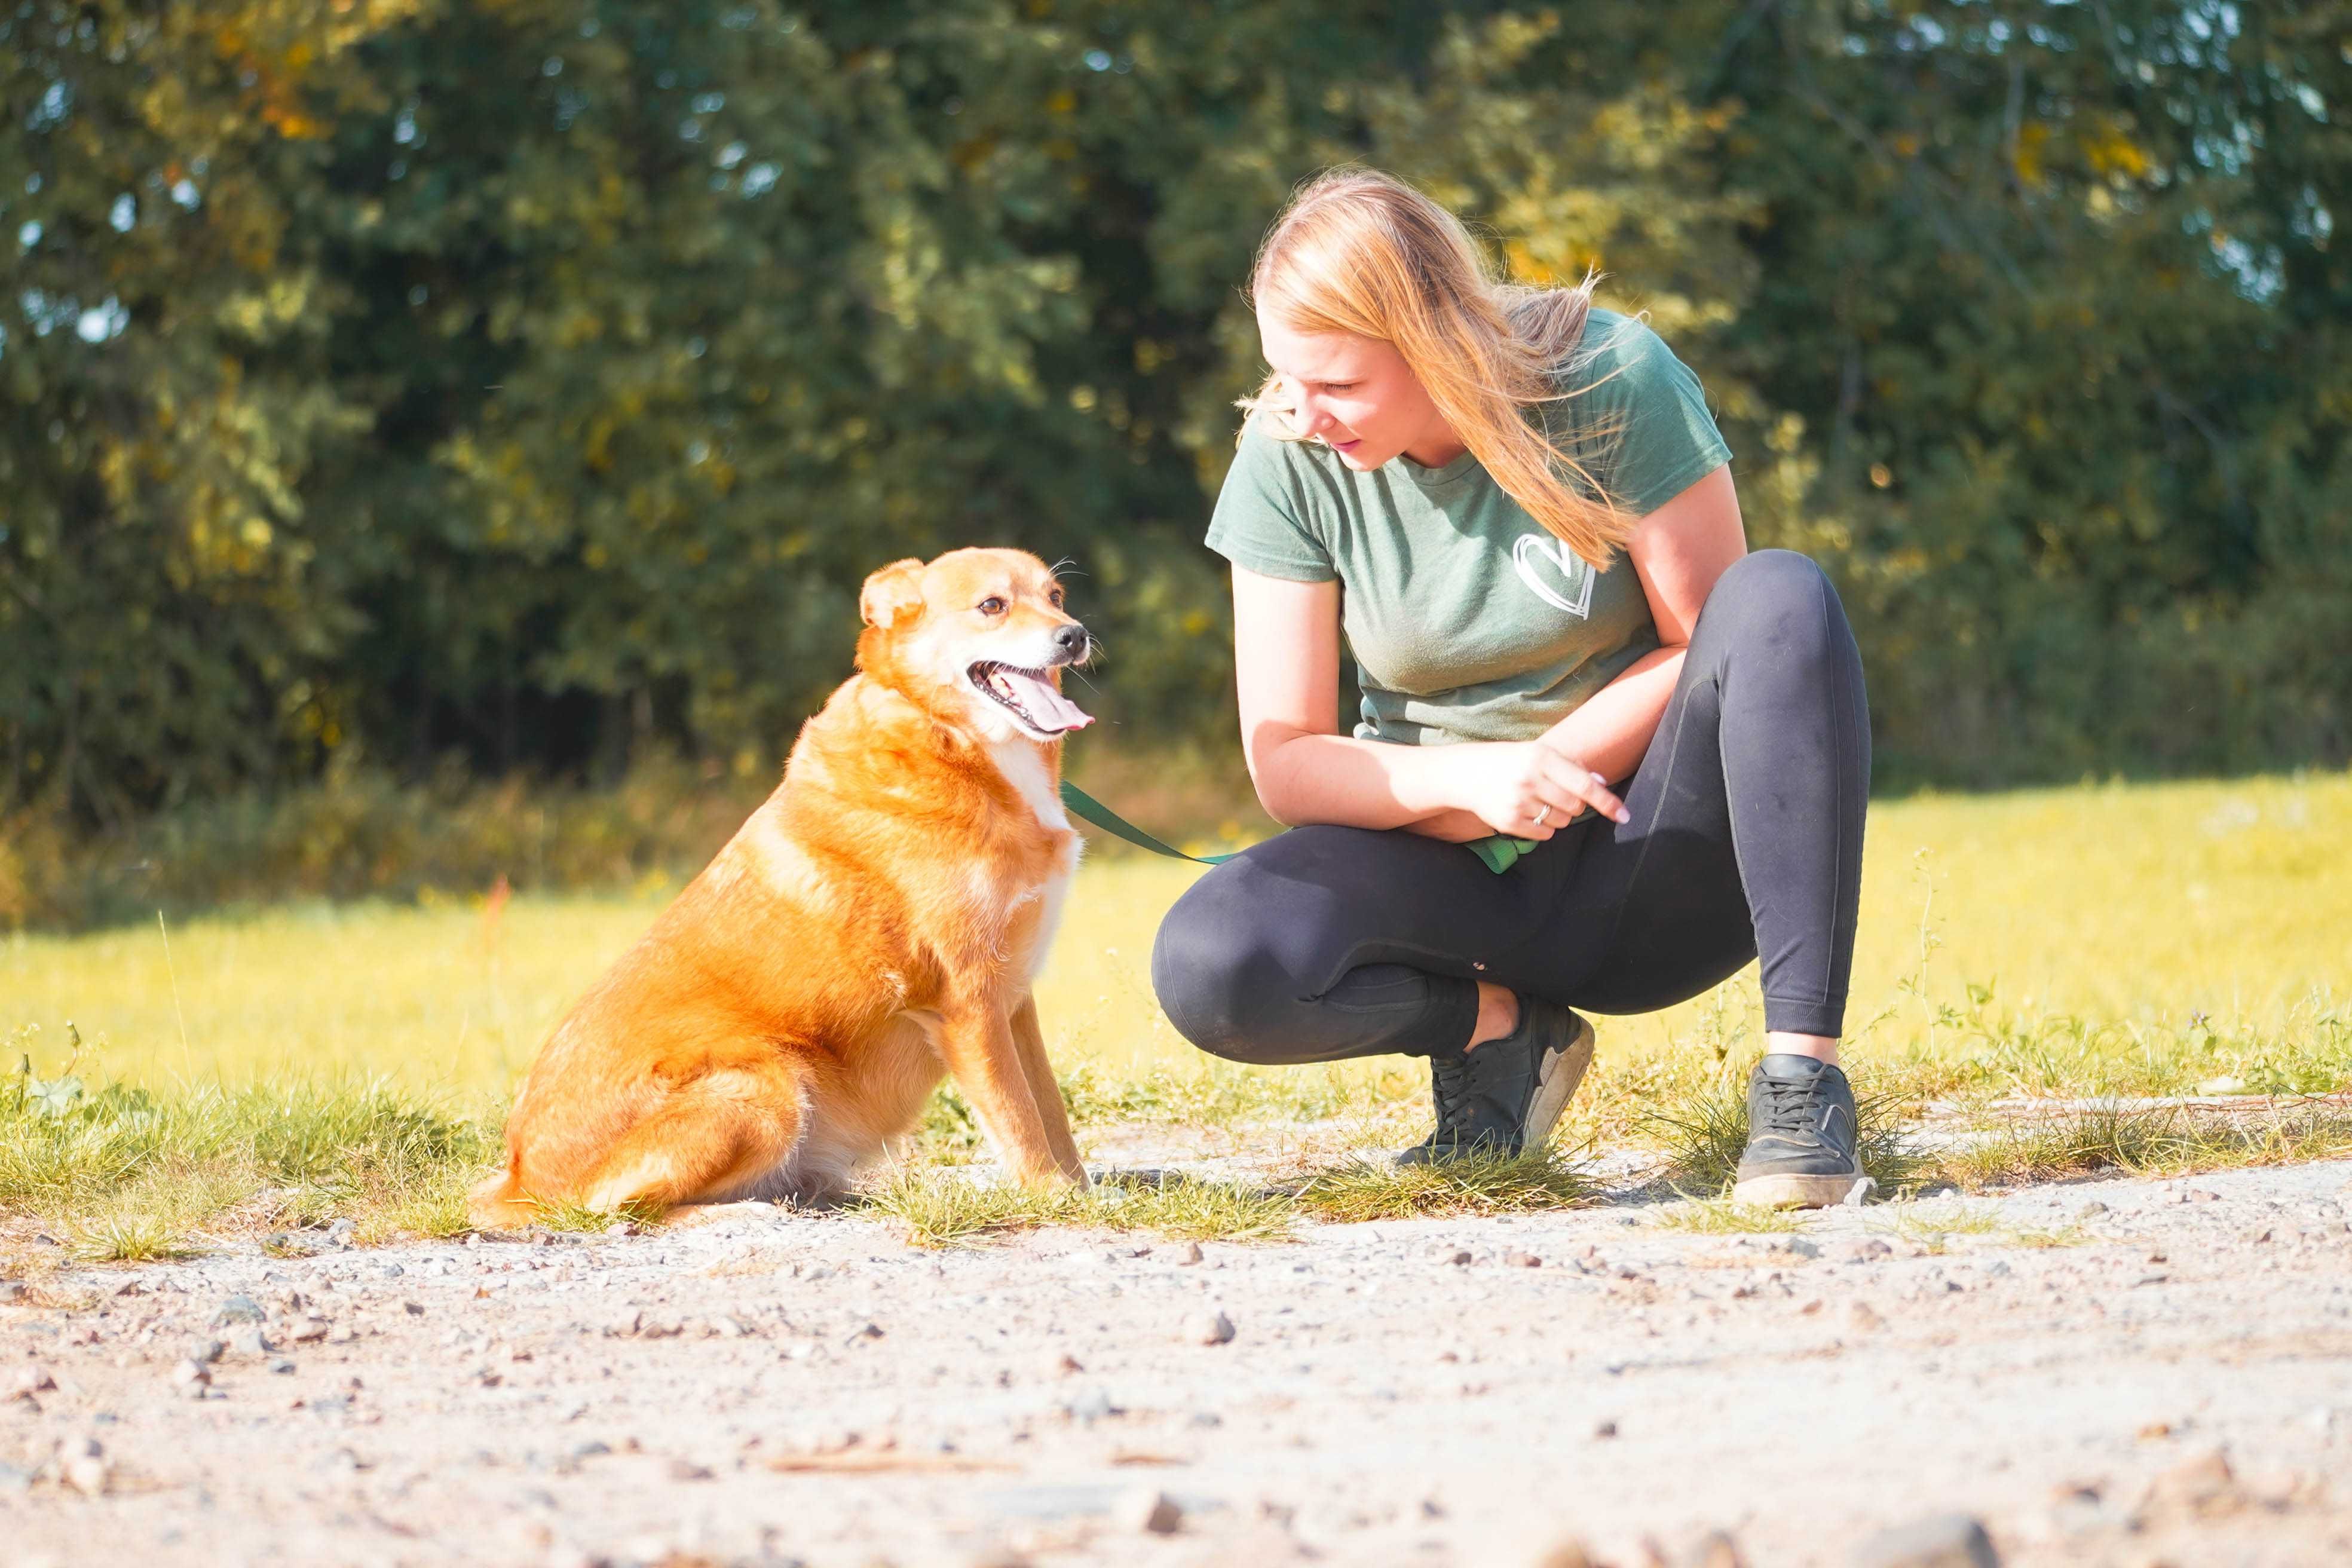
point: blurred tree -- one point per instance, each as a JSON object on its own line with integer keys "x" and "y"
{"x": 532, "y": 380}
{"x": 161, "y": 622}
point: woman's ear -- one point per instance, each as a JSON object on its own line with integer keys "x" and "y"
{"x": 892, "y": 594}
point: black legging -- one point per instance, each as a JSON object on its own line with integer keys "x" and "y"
{"x": 1324, "y": 942}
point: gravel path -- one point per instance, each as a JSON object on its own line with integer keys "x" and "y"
{"x": 2173, "y": 1385}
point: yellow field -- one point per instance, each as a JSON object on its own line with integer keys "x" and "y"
{"x": 2130, "y": 937}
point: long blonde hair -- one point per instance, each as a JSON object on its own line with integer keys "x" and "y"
{"x": 1360, "y": 252}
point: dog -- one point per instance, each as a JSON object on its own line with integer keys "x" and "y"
{"x": 879, "y": 920}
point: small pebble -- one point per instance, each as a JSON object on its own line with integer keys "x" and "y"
{"x": 1522, "y": 1260}
{"x": 1946, "y": 1541}
{"x": 1189, "y": 1253}
{"x": 1147, "y": 1511}
{"x": 1209, "y": 1329}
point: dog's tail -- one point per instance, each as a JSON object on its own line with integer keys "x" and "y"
{"x": 499, "y": 1203}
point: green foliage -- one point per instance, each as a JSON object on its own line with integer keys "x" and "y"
{"x": 532, "y": 383}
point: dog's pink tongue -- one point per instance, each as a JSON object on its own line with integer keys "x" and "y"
{"x": 1049, "y": 708}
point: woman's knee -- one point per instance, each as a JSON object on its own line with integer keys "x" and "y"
{"x": 1216, "y": 975}
{"x": 1778, "y": 598}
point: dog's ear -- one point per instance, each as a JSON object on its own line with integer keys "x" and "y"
{"x": 892, "y": 594}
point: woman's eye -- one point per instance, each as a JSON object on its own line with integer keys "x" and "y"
{"x": 1339, "y": 386}
{"x": 992, "y": 606}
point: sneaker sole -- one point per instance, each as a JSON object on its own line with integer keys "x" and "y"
{"x": 1557, "y": 1085}
{"x": 1792, "y": 1192}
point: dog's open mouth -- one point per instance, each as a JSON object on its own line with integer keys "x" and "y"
{"x": 1031, "y": 695}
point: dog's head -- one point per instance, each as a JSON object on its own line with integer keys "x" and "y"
{"x": 978, "y": 636}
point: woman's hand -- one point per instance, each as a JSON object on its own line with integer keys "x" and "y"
{"x": 1530, "y": 789}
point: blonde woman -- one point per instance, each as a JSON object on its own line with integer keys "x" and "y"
{"x": 1606, "y": 755}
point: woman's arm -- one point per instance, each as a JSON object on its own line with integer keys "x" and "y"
{"x": 1286, "y": 672}
{"x": 1677, "y": 552}
{"x": 1286, "y": 666}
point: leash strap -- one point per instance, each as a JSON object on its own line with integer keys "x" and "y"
{"x": 1499, "y": 852}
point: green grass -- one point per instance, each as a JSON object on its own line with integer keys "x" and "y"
{"x": 131, "y": 1174}
{"x": 273, "y": 1070}
{"x": 1361, "y": 1189}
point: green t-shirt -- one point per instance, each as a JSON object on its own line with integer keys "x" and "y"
{"x": 1469, "y": 621}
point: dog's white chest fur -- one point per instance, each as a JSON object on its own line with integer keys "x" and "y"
{"x": 1025, "y": 770}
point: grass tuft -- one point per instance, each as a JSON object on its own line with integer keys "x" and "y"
{"x": 1721, "y": 1217}
{"x": 130, "y": 1237}
{"x": 1706, "y": 1132}
{"x": 1934, "y": 1227}
{"x": 2165, "y": 1139}
{"x": 1480, "y": 1184}
{"x": 573, "y": 1216}
{"x": 135, "y": 1172}
{"x": 944, "y": 1209}
{"x": 2063, "y": 1236}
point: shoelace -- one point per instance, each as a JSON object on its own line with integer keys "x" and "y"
{"x": 1449, "y": 1077}
{"x": 1789, "y": 1103}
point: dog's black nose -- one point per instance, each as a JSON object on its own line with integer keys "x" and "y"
{"x": 1070, "y": 642}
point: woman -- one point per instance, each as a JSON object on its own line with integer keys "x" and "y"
{"x": 1519, "y": 509}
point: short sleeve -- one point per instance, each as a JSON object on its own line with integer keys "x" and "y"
{"x": 1261, "y": 520}
{"x": 1656, "y": 437}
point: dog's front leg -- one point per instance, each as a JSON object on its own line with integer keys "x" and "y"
{"x": 977, "y": 1044}
{"x": 1044, "y": 1088}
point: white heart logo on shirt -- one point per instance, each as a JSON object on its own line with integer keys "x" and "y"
{"x": 1554, "y": 573}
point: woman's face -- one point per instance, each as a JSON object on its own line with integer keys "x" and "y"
{"x": 1357, "y": 397}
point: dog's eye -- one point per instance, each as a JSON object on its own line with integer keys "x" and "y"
{"x": 1054, "y": 599}
{"x": 992, "y": 606}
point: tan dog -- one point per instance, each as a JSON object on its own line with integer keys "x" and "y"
{"x": 880, "y": 917}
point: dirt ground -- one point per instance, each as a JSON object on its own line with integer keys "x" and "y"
{"x": 2171, "y": 1383}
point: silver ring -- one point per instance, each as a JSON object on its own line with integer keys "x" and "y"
{"x": 1541, "y": 812}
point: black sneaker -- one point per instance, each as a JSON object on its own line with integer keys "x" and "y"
{"x": 1501, "y": 1099}
{"x": 1801, "y": 1135}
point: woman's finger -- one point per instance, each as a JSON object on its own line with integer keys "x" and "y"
{"x": 1587, "y": 787}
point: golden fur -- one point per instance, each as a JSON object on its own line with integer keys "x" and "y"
{"x": 879, "y": 919}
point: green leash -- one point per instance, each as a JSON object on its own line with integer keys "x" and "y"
{"x": 1499, "y": 852}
